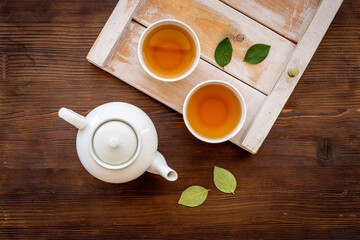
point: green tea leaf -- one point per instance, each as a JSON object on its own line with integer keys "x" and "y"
{"x": 223, "y": 52}
{"x": 257, "y": 53}
{"x": 193, "y": 196}
{"x": 224, "y": 180}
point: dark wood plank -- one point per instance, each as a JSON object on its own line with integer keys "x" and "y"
{"x": 303, "y": 183}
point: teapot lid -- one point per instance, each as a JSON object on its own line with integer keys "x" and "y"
{"x": 115, "y": 143}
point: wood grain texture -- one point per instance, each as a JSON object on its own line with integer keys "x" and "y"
{"x": 109, "y": 37}
{"x": 212, "y": 21}
{"x": 290, "y": 18}
{"x": 302, "y": 184}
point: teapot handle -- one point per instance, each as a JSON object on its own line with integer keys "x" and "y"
{"x": 73, "y": 118}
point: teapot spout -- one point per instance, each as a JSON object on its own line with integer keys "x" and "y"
{"x": 160, "y": 167}
{"x": 73, "y": 118}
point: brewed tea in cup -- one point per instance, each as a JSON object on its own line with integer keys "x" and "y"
{"x": 169, "y": 50}
{"x": 214, "y": 111}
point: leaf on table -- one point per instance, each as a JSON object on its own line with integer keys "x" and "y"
{"x": 224, "y": 180}
{"x": 193, "y": 196}
{"x": 223, "y": 52}
{"x": 257, "y": 53}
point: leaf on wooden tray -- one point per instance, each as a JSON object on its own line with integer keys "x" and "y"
{"x": 224, "y": 180}
{"x": 223, "y": 52}
{"x": 193, "y": 196}
{"x": 257, "y": 53}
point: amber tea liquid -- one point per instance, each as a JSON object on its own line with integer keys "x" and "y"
{"x": 213, "y": 111}
{"x": 169, "y": 51}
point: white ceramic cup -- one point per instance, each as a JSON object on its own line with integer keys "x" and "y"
{"x": 241, "y": 119}
{"x": 181, "y": 25}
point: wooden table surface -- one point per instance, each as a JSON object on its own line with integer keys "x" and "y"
{"x": 303, "y": 183}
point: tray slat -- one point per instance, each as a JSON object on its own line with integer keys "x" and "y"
{"x": 212, "y": 21}
{"x": 290, "y": 18}
{"x": 107, "y": 41}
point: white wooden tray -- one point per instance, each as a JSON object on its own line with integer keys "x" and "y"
{"x": 293, "y": 28}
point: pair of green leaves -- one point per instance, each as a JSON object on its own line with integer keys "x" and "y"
{"x": 195, "y": 195}
{"x": 255, "y": 54}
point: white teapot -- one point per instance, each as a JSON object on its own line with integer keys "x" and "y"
{"x": 117, "y": 142}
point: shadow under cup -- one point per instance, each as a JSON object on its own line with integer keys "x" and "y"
{"x": 214, "y": 111}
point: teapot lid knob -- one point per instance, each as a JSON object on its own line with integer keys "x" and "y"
{"x": 115, "y": 143}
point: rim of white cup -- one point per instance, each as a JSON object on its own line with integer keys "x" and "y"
{"x": 177, "y": 23}
{"x": 238, "y": 126}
